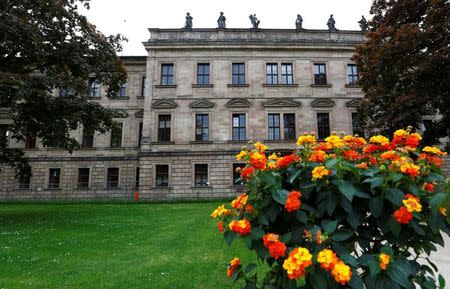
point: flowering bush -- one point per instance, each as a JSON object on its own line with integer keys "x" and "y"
{"x": 340, "y": 213}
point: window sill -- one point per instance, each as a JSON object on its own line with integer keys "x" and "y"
{"x": 140, "y": 96}
{"x": 162, "y": 142}
{"x": 201, "y": 142}
{"x": 94, "y": 97}
{"x": 320, "y": 85}
{"x": 166, "y": 86}
{"x": 117, "y": 149}
{"x": 119, "y": 98}
{"x": 113, "y": 189}
{"x": 24, "y": 189}
{"x": 238, "y": 85}
{"x": 238, "y": 187}
{"x": 202, "y": 85}
{"x": 87, "y": 148}
{"x": 82, "y": 188}
{"x": 54, "y": 189}
{"x": 162, "y": 188}
{"x": 279, "y": 140}
{"x": 280, "y": 85}
{"x": 352, "y": 86}
{"x": 237, "y": 141}
{"x": 201, "y": 188}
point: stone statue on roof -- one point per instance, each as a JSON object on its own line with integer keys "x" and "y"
{"x": 331, "y": 23}
{"x": 188, "y": 23}
{"x": 254, "y": 20}
{"x": 299, "y": 22}
{"x": 221, "y": 21}
{"x": 363, "y": 23}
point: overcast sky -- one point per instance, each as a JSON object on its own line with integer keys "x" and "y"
{"x": 132, "y": 17}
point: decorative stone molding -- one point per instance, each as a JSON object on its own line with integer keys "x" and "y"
{"x": 4, "y": 113}
{"x": 202, "y": 103}
{"x": 122, "y": 113}
{"x": 354, "y": 103}
{"x": 281, "y": 103}
{"x": 139, "y": 114}
{"x": 238, "y": 103}
{"x": 323, "y": 103}
{"x": 164, "y": 104}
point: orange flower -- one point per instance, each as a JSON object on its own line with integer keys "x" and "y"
{"x": 298, "y": 260}
{"x": 390, "y": 155}
{"x": 249, "y": 208}
{"x": 351, "y": 155}
{"x": 429, "y": 187}
{"x": 276, "y": 248}
{"x": 260, "y": 147}
{"x": 241, "y": 227}
{"x": 318, "y": 156}
{"x": 247, "y": 172}
{"x": 431, "y": 159}
{"x": 412, "y": 203}
{"x": 443, "y": 211}
{"x": 320, "y": 172}
{"x": 403, "y": 216}
{"x": 285, "y": 161}
{"x": 258, "y": 160}
{"x": 354, "y": 142}
{"x": 341, "y": 273}
{"x": 413, "y": 140}
{"x": 384, "y": 260}
{"x": 362, "y": 165}
{"x": 220, "y": 226}
{"x": 410, "y": 169}
{"x": 327, "y": 259}
{"x": 234, "y": 264}
{"x": 306, "y": 139}
{"x": 323, "y": 146}
{"x": 240, "y": 201}
{"x": 293, "y": 201}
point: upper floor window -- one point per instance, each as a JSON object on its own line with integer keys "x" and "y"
{"x": 272, "y": 73}
{"x": 238, "y": 127}
{"x": 201, "y": 175}
{"x": 88, "y": 138}
{"x": 289, "y": 126}
{"x": 162, "y": 175}
{"x": 83, "y": 177}
{"x": 201, "y": 127}
{"x": 116, "y": 136}
{"x": 238, "y": 73}
{"x": 30, "y": 142}
{"x": 323, "y": 125}
{"x": 143, "y": 86}
{"x": 94, "y": 87}
{"x": 167, "y": 74}
{"x": 141, "y": 125}
{"x": 203, "y": 73}
{"x": 54, "y": 178}
{"x": 274, "y": 126}
{"x": 286, "y": 73}
{"x": 320, "y": 75}
{"x": 164, "y": 124}
{"x": 112, "y": 178}
{"x": 352, "y": 74}
{"x": 122, "y": 90}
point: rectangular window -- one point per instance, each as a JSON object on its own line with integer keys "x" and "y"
{"x": 88, "y": 138}
{"x": 162, "y": 175}
{"x": 167, "y": 74}
{"x": 63, "y": 92}
{"x": 203, "y": 73}
{"x": 112, "y": 178}
{"x": 239, "y": 127}
{"x": 4, "y": 132}
{"x": 116, "y": 136}
{"x": 143, "y": 86}
{"x": 141, "y": 125}
{"x": 201, "y": 127}
{"x": 289, "y": 126}
{"x": 136, "y": 178}
{"x": 286, "y": 73}
{"x": 54, "y": 178}
{"x": 238, "y": 73}
{"x": 83, "y": 177}
{"x": 356, "y": 128}
{"x": 24, "y": 182}
{"x": 94, "y": 87}
{"x": 30, "y": 142}
{"x": 320, "y": 74}
{"x": 164, "y": 128}
{"x": 352, "y": 74}
{"x": 237, "y": 180}
{"x": 274, "y": 126}
{"x": 201, "y": 175}
{"x": 323, "y": 125}
{"x": 272, "y": 73}
{"x": 122, "y": 90}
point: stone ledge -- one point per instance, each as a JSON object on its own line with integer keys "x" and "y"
{"x": 202, "y": 85}
{"x": 280, "y": 85}
{"x": 166, "y": 86}
{"x": 238, "y": 85}
{"x": 200, "y": 142}
{"x": 321, "y": 85}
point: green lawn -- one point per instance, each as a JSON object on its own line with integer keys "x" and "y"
{"x": 113, "y": 246}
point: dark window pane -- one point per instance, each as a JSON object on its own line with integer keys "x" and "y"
{"x": 143, "y": 86}
{"x": 272, "y": 73}
{"x": 116, "y": 136}
{"x": 238, "y": 127}
{"x": 123, "y": 90}
{"x": 136, "y": 179}
{"x": 162, "y": 175}
{"x": 94, "y": 87}
{"x": 237, "y": 180}
{"x": 238, "y": 73}
{"x": 320, "y": 76}
{"x": 274, "y": 126}
{"x": 54, "y": 178}
{"x": 88, "y": 138}
{"x": 30, "y": 142}
{"x": 203, "y": 73}
{"x": 164, "y": 128}
{"x": 112, "y": 179}
{"x": 3, "y": 132}
{"x": 357, "y": 129}
{"x": 24, "y": 182}
{"x": 140, "y": 133}
{"x": 167, "y": 74}
{"x": 286, "y": 73}
{"x": 201, "y": 127}
{"x": 289, "y": 126}
{"x": 83, "y": 177}
{"x": 352, "y": 73}
{"x": 323, "y": 125}
{"x": 201, "y": 175}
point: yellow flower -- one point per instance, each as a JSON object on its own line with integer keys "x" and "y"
{"x": 272, "y": 165}
{"x": 341, "y": 273}
{"x": 433, "y": 150}
{"x": 273, "y": 157}
{"x": 306, "y": 138}
{"x": 412, "y": 205}
{"x": 384, "y": 260}
{"x": 320, "y": 172}
{"x": 382, "y": 140}
{"x": 401, "y": 133}
{"x": 335, "y": 141}
{"x": 443, "y": 211}
{"x": 241, "y": 155}
{"x": 219, "y": 211}
{"x": 260, "y": 147}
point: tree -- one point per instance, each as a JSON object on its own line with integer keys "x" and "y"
{"x": 46, "y": 45}
{"x": 404, "y": 65}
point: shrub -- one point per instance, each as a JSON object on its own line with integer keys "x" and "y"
{"x": 340, "y": 213}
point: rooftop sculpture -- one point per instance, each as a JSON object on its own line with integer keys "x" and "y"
{"x": 299, "y": 22}
{"x": 254, "y": 20}
{"x": 188, "y": 23}
{"x": 331, "y": 23}
{"x": 221, "y": 21}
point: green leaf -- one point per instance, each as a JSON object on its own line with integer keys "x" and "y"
{"x": 301, "y": 216}
{"x": 433, "y": 177}
{"x": 342, "y": 235}
{"x": 375, "y": 182}
{"x": 280, "y": 196}
{"x": 286, "y": 238}
{"x": 387, "y": 250}
{"x": 294, "y": 176}
{"x": 395, "y": 227}
{"x": 349, "y": 260}
{"x": 261, "y": 250}
{"x": 441, "y": 282}
{"x": 399, "y": 271}
{"x": 262, "y": 219}
{"x": 436, "y": 200}
{"x": 318, "y": 279}
{"x": 396, "y": 177}
{"x": 376, "y": 206}
{"x": 257, "y": 233}
{"x": 250, "y": 267}
{"x": 417, "y": 228}
{"x": 346, "y": 188}
{"x": 329, "y": 226}
{"x": 331, "y": 163}
{"x": 395, "y": 196}
{"x": 332, "y": 201}
{"x": 371, "y": 262}
{"x": 272, "y": 212}
{"x": 248, "y": 241}
{"x": 356, "y": 281}
{"x": 229, "y": 237}
{"x": 370, "y": 172}
{"x": 250, "y": 285}
{"x": 291, "y": 284}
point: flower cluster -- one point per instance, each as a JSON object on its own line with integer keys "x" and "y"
{"x": 319, "y": 172}
{"x": 293, "y": 201}
{"x": 411, "y": 204}
{"x": 276, "y": 248}
{"x": 298, "y": 260}
{"x": 240, "y": 202}
{"x": 233, "y": 266}
{"x": 384, "y": 260}
{"x": 241, "y": 227}
{"x": 221, "y": 210}
{"x": 329, "y": 261}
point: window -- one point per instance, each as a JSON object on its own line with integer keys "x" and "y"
{"x": 63, "y": 92}
{"x": 122, "y": 90}
{"x": 274, "y": 126}
{"x": 356, "y": 128}
{"x": 94, "y": 88}
{"x": 239, "y": 127}
{"x": 143, "y": 87}
{"x": 352, "y": 73}
{"x": 83, "y": 177}
{"x": 167, "y": 74}
{"x": 238, "y": 73}
{"x": 4, "y": 132}
{"x": 237, "y": 180}
{"x": 289, "y": 126}
{"x": 323, "y": 125}
{"x": 54, "y": 178}
{"x": 272, "y": 73}
{"x": 320, "y": 75}
{"x": 164, "y": 128}
{"x": 88, "y": 138}
{"x": 203, "y": 73}
{"x": 286, "y": 73}
{"x": 162, "y": 175}
{"x": 30, "y": 142}
{"x": 136, "y": 178}
{"x": 112, "y": 179}
{"x": 24, "y": 182}
{"x": 201, "y": 175}
{"x": 141, "y": 125}
{"x": 116, "y": 136}
{"x": 201, "y": 127}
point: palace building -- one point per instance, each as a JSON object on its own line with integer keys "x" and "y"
{"x": 190, "y": 105}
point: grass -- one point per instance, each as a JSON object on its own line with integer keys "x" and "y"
{"x": 113, "y": 246}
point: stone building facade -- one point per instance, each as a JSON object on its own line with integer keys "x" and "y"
{"x": 191, "y": 104}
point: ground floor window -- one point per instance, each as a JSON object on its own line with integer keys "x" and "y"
{"x": 83, "y": 177}
{"x": 237, "y": 180}
{"x": 112, "y": 178}
{"x": 54, "y": 178}
{"x": 323, "y": 125}
{"x": 162, "y": 175}
{"x": 201, "y": 175}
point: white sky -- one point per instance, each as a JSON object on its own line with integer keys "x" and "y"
{"x": 132, "y": 17}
